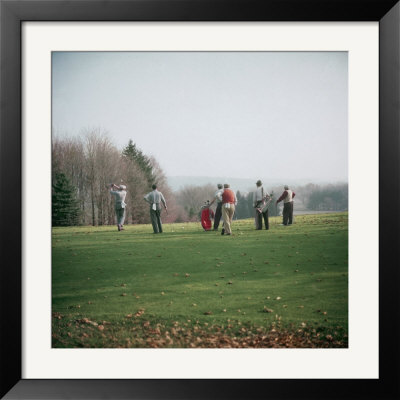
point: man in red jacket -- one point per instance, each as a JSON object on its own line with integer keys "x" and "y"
{"x": 287, "y": 197}
{"x": 229, "y": 202}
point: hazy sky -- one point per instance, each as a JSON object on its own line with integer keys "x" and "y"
{"x": 234, "y": 114}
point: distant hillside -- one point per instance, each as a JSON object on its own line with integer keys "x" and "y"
{"x": 242, "y": 184}
{"x": 178, "y": 182}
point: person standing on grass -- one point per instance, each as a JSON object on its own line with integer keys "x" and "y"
{"x": 155, "y": 198}
{"x": 218, "y": 211}
{"x": 120, "y": 195}
{"x": 229, "y": 202}
{"x": 259, "y": 198}
{"x": 287, "y": 197}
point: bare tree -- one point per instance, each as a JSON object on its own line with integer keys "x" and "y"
{"x": 176, "y": 213}
{"x": 91, "y": 162}
{"x": 137, "y": 184}
{"x": 191, "y": 198}
{"x": 68, "y": 157}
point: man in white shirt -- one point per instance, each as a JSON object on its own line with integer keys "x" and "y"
{"x": 259, "y": 199}
{"x": 287, "y": 197}
{"x": 120, "y": 195}
{"x": 155, "y": 198}
{"x": 218, "y": 211}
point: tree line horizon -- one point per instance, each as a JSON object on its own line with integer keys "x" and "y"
{"x": 83, "y": 168}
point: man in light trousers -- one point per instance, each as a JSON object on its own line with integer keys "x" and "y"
{"x": 120, "y": 195}
{"x": 229, "y": 202}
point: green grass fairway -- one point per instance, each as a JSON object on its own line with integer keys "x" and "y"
{"x": 286, "y": 287}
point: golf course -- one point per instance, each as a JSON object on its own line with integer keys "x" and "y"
{"x": 186, "y": 288}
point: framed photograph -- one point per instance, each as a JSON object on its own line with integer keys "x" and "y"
{"x": 199, "y": 199}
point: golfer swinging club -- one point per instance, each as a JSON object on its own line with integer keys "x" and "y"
{"x": 120, "y": 204}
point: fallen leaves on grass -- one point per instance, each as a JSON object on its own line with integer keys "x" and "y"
{"x": 199, "y": 335}
{"x": 139, "y": 313}
{"x": 87, "y": 321}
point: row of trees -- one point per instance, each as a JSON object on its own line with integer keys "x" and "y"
{"x": 191, "y": 198}
{"x": 332, "y": 197}
{"x": 308, "y": 197}
{"x": 245, "y": 207}
{"x": 83, "y": 169}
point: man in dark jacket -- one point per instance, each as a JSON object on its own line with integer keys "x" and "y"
{"x": 218, "y": 210}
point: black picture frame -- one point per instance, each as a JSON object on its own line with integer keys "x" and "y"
{"x": 13, "y": 12}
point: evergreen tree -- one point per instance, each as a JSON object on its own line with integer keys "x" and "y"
{"x": 273, "y": 208}
{"x": 191, "y": 212}
{"x": 241, "y": 210}
{"x": 65, "y": 205}
{"x": 250, "y": 204}
{"x": 136, "y": 155}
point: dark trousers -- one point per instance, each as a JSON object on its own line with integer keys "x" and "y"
{"x": 259, "y": 217}
{"x": 218, "y": 214}
{"x": 155, "y": 216}
{"x": 288, "y": 213}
